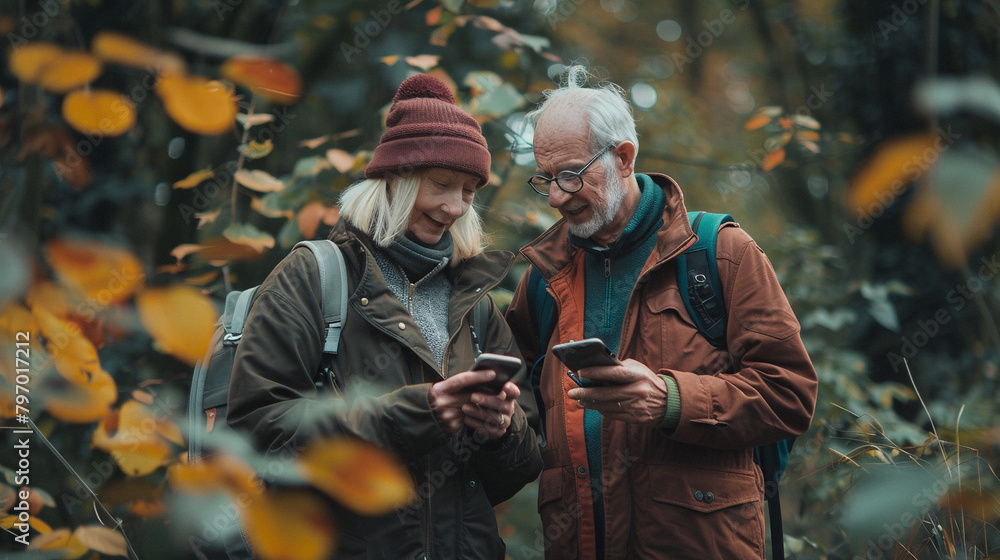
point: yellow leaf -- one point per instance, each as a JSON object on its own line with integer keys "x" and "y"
{"x": 258, "y": 180}
{"x": 29, "y": 60}
{"x": 249, "y": 121}
{"x": 314, "y": 143}
{"x": 247, "y": 235}
{"x": 197, "y": 104}
{"x": 134, "y": 437}
{"x": 60, "y": 540}
{"x": 271, "y": 79}
{"x": 290, "y": 525}
{"x": 180, "y": 319}
{"x": 81, "y": 404}
{"x": 99, "y": 112}
{"x": 219, "y": 472}
{"x": 194, "y": 179}
{"x": 390, "y": 60}
{"x": 122, "y": 49}
{"x": 773, "y": 159}
{"x": 256, "y": 150}
{"x": 363, "y": 477}
{"x": 68, "y": 71}
{"x": 423, "y": 61}
{"x": 105, "y": 274}
{"x": 102, "y": 539}
{"x": 75, "y": 356}
{"x": 888, "y": 172}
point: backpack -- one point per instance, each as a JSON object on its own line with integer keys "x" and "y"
{"x": 208, "y": 400}
{"x": 698, "y": 279}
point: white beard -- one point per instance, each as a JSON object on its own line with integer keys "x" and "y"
{"x": 604, "y": 208}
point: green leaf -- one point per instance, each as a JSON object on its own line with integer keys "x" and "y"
{"x": 454, "y": 6}
{"x": 249, "y": 235}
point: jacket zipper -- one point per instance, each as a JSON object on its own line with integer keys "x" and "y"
{"x": 607, "y": 291}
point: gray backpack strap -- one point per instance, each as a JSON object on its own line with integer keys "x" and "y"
{"x": 234, "y": 317}
{"x": 333, "y": 280}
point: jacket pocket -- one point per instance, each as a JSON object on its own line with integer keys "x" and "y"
{"x": 559, "y": 512}
{"x": 697, "y": 513}
{"x": 669, "y": 336}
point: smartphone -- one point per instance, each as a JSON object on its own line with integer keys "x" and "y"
{"x": 580, "y": 354}
{"x": 506, "y": 367}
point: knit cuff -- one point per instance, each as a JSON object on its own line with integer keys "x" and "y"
{"x": 672, "y": 417}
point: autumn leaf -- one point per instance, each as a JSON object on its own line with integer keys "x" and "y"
{"x": 195, "y": 179}
{"x": 258, "y": 180}
{"x": 250, "y": 121}
{"x": 363, "y": 477}
{"x": 773, "y": 159}
{"x": 80, "y": 403}
{"x": 341, "y": 160}
{"x": 423, "y": 61}
{"x": 256, "y": 150}
{"x": 433, "y": 16}
{"x": 68, "y": 71}
{"x": 75, "y": 357}
{"x": 180, "y": 319}
{"x": 103, "y": 273}
{"x": 312, "y": 214}
{"x": 271, "y": 79}
{"x": 249, "y": 236}
{"x": 136, "y": 438}
{"x": 60, "y": 540}
{"x": 888, "y": 172}
{"x": 276, "y": 519}
{"x": 99, "y": 112}
{"x": 806, "y": 121}
{"x": 127, "y": 51}
{"x": 197, "y": 104}
{"x": 757, "y": 121}
{"x": 390, "y": 60}
{"x": 102, "y": 539}
{"x": 29, "y": 60}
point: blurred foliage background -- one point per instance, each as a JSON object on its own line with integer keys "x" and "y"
{"x": 154, "y": 155}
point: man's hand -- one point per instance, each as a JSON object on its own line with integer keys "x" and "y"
{"x": 634, "y": 393}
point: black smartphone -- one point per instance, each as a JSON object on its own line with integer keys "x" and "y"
{"x": 506, "y": 367}
{"x": 579, "y": 354}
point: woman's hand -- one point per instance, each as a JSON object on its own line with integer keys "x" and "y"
{"x": 449, "y": 397}
{"x": 491, "y": 415}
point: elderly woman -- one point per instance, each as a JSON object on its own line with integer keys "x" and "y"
{"x": 413, "y": 246}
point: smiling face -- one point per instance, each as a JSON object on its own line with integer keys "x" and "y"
{"x": 443, "y": 197}
{"x": 562, "y": 142}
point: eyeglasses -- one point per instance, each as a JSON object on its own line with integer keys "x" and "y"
{"x": 569, "y": 181}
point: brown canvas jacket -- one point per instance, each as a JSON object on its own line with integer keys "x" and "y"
{"x": 384, "y": 360}
{"x": 694, "y": 493}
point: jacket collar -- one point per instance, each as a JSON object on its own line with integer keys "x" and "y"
{"x": 552, "y": 250}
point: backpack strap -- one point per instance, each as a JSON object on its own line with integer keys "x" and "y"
{"x": 698, "y": 278}
{"x": 542, "y": 311}
{"x": 333, "y": 282}
{"x": 480, "y": 321}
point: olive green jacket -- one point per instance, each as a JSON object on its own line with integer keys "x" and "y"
{"x": 381, "y": 377}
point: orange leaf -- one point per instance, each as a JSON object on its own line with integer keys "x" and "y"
{"x": 102, "y": 539}
{"x": 807, "y": 135}
{"x": 391, "y": 59}
{"x": 122, "y": 49}
{"x": 197, "y": 104}
{"x": 195, "y": 179}
{"x": 99, "y": 112}
{"x": 785, "y": 123}
{"x": 81, "y": 404}
{"x": 290, "y": 517}
{"x": 888, "y": 171}
{"x": 757, "y": 121}
{"x": 312, "y": 214}
{"x": 423, "y": 61}
{"x": 314, "y": 143}
{"x": 75, "y": 357}
{"x": 27, "y": 61}
{"x": 773, "y": 159}
{"x": 433, "y": 16}
{"x": 258, "y": 180}
{"x": 219, "y": 472}
{"x": 272, "y": 79}
{"x": 68, "y": 71}
{"x": 103, "y": 273}
{"x": 180, "y": 319}
{"x": 363, "y": 477}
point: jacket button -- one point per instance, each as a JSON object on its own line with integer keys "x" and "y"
{"x": 402, "y": 326}
{"x": 364, "y": 301}
{"x": 472, "y": 484}
{"x": 698, "y": 495}
{"x": 581, "y": 470}
{"x": 709, "y": 497}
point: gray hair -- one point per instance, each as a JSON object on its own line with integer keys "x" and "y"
{"x": 606, "y": 106}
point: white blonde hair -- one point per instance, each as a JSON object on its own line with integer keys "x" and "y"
{"x": 368, "y": 206}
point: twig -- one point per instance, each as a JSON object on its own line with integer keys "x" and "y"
{"x": 97, "y": 502}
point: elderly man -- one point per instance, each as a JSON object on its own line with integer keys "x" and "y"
{"x": 658, "y": 461}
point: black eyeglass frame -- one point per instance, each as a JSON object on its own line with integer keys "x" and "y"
{"x": 577, "y": 174}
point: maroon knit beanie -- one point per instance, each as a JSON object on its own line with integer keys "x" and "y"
{"x": 425, "y": 128}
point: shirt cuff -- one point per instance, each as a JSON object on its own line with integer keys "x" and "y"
{"x": 672, "y": 416}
